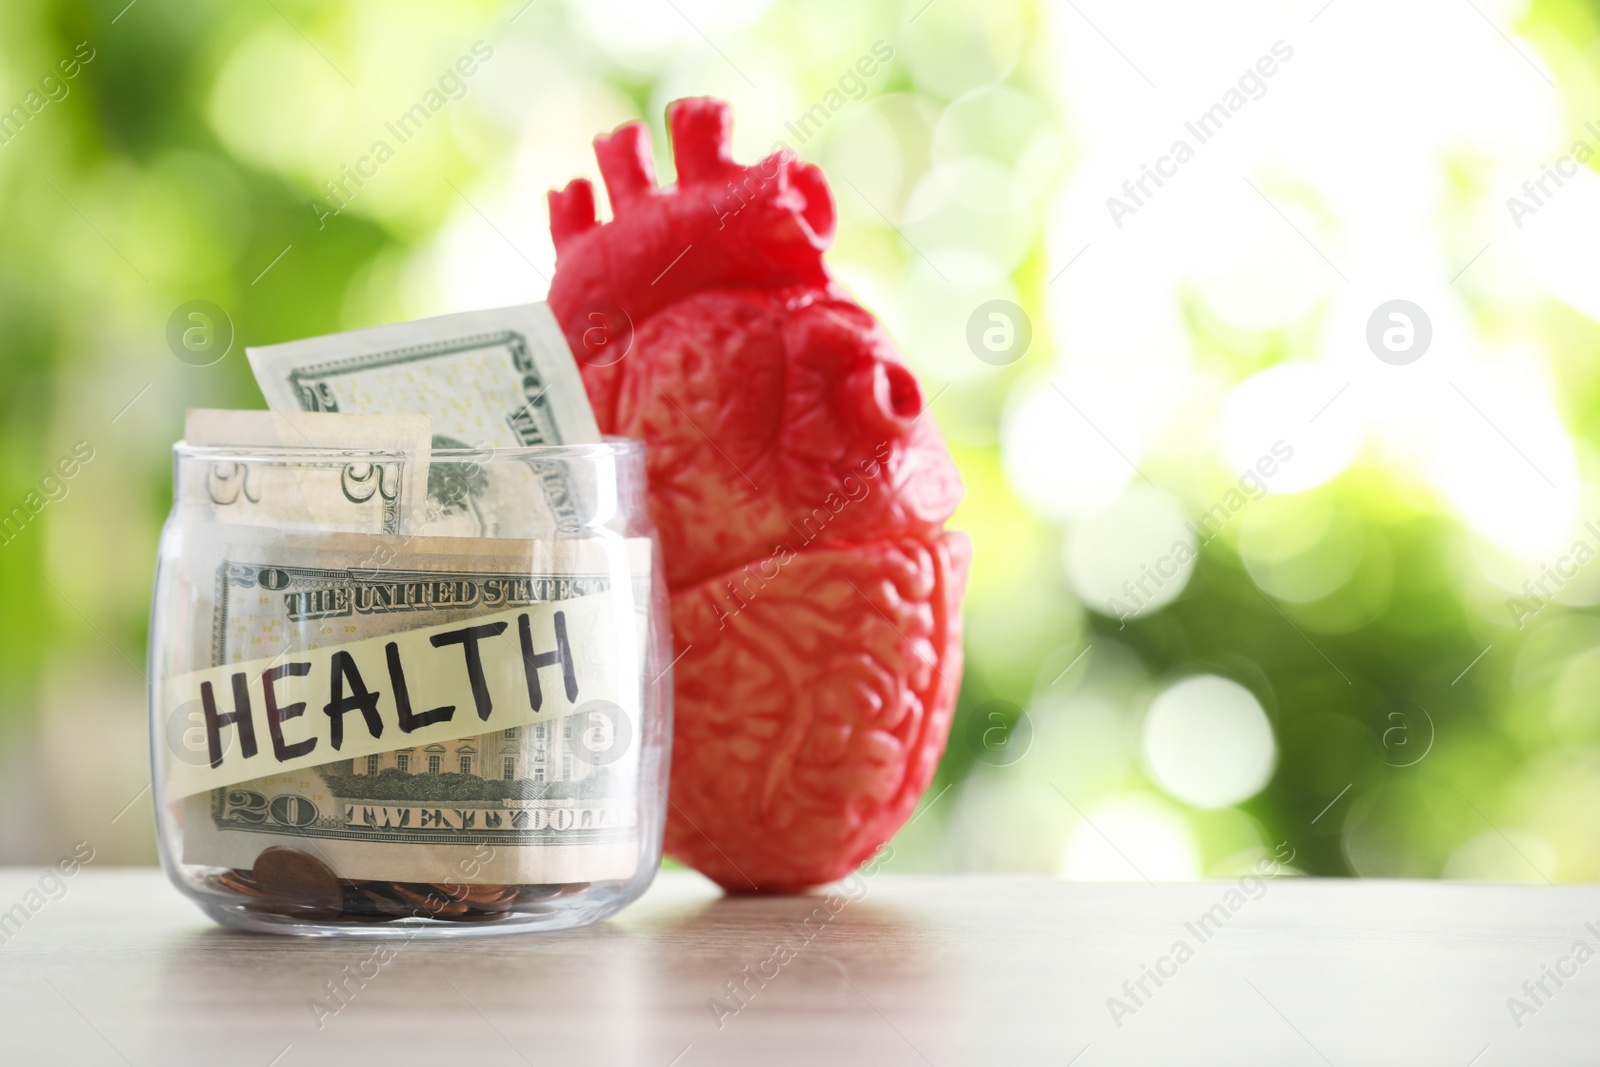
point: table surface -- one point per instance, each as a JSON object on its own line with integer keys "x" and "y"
{"x": 894, "y": 970}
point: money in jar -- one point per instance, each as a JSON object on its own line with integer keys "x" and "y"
{"x": 400, "y": 682}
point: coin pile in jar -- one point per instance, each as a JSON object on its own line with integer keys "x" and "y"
{"x": 290, "y": 882}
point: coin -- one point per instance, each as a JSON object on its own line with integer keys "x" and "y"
{"x": 381, "y": 897}
{"x": 428, "y": 898}
{"x": 294, "y": 877}
{"x": 479, "y": 895}
{"x": 239, "y": 882}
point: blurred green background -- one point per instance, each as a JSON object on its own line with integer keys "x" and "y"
{"x": 1383, "y": 653}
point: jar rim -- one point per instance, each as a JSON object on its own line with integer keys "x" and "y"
{"x": 611, "y": 446}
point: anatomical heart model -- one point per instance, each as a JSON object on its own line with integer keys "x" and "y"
{"x": 801, "y": 494}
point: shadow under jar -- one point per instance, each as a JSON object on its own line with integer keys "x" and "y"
{"x": 395, "y": 694}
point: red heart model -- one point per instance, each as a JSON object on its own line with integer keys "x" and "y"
{"x": 800, "y": 491}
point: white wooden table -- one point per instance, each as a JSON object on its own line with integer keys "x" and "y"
{"x": 917, "y": 970}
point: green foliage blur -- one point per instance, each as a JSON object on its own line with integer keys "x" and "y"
{"x": 201, "y": 150}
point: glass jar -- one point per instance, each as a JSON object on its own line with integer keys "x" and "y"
{"x": 394, "y": 693}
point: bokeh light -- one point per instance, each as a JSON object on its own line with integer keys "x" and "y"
{"x": 1208, "y": 743}
{"x": 1133, "y": 557}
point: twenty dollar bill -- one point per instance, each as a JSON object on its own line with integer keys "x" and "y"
{"x": 440, "y": 748}
{"x": 498, "y": 379}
